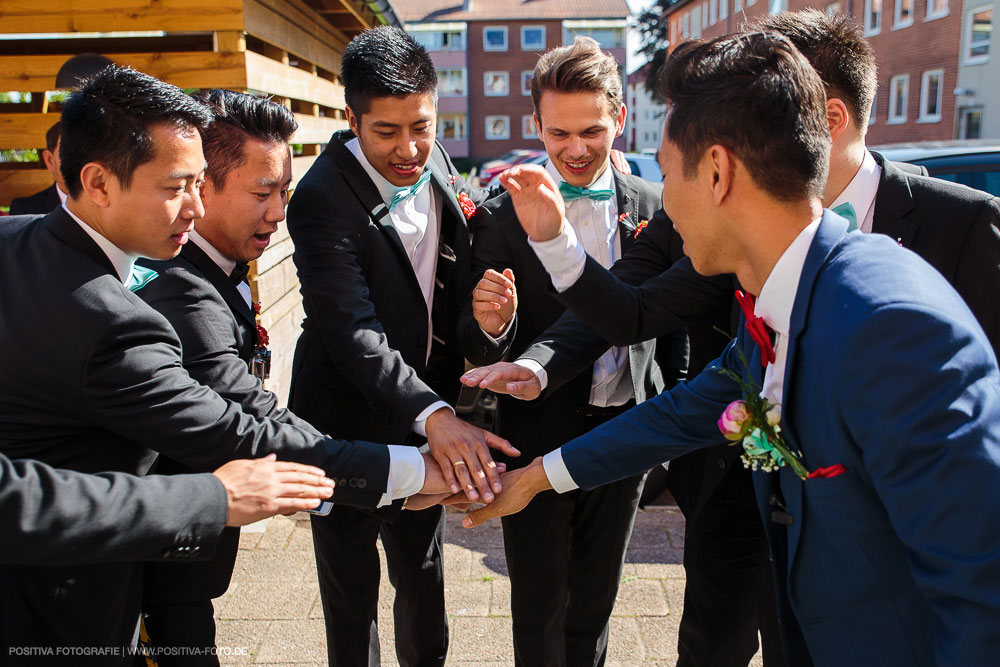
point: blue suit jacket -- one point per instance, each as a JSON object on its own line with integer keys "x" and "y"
{"x": 896, "y": 561}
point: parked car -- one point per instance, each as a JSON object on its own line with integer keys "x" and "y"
{"x": 975, "y": 162}
{"x": 489, "y": 170}
{"x": 541, "y": 158}
{"x": 644, "y": 166}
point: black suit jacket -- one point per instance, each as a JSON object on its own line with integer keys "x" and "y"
{"x": 93, "y": 382}
{"x": 61, "y": 517}
{"x": 218, "y": 332}
{"x": 40, "y": 203}
{"x": 360, "y": 368}
{"x": 500, "y": 242}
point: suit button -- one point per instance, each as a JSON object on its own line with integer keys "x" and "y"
{"x": 721, "y": 462}
{"x": 342, "y": 481}
{"x": 354, "y": 483}
{"x": 362, "y": 483}
{"x": 195, "y": 550}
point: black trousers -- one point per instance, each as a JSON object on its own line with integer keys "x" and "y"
{"x": 729, "y": 592}
{"x": 182, "y": 625}
{"x": 565, "y": 555}
{"x": 348, "y": 566}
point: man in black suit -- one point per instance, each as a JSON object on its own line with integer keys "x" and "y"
{"x": 60, "y": 517}
{"x": 954, "y": 228}
{"x": 565, "y": 552}
{"x": 204, "y": 295}
{"x": 93, "y": 379}
{"x": 45, "y": 201}
{"x": 382, "y": 251}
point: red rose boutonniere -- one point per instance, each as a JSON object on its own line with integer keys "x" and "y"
{"x": 638, "y": 228}
{"x": 468, "y": 206}
{"x": 260, "y": 362}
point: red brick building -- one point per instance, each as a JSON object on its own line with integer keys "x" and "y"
{"x": 485, "y": 52}
{"x": 917, "y": 46}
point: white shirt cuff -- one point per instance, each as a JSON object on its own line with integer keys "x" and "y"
{"x": 563, "y": 257}
{"x": 406, "y": 474}
{"x": 420, "y": 423}
{"x": 503, "y": 334}
{"x": 536, "y": 368}
{"x": 555, "y": 470}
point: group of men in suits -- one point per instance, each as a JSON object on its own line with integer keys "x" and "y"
{"x": 885, "y": 379}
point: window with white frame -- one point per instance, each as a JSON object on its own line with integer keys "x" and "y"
{"x": 704, "y": 15}
{"x": 751, "y": 3}
{"x": 451, "y": 126}
{"x": 833, "y": 8}
{"x": 533, "y": 38}
{"x": 936, "y": 9}
{"x": 873, "y": 17}
{"x": 871, "y": 114}
{"x": 737, "y": 6}
{"x": 696, "y": 22}
{"x": 930, "y": 96}
{"x": 438, "y": 40}
{"x": 451, "y": 82}
{"x": 497, "y": 127}
{"x": 528, "y": 129}
{"x": 978, "y": 29}
{"x": 495, "y": 38}
{"x": 526, "y": 77}
{"x": 496, "y": 84}
{"x": 777, "y": 6}
{"x": 899, "y": 91}
{"x": 903, "y": 14}
{"x": 686, "y": 25}
{"x": 713, "y": 11}
{"x": 609, "y": 37}
{"x": 723, "y": 9}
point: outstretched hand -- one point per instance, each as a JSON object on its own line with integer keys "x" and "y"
{"x": 505, "y": 378}
{"x": 520, "y": 486}
{"x": 462, "y": 454}
{"x": 537, "y": 202}
{"x": 264, "y": 487}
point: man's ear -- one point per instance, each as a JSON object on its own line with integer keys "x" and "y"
{"x": 719, "y": 162}
{"x": 49, "y": 159}
{"x": 620, "y": 121}
{"x": 353, "y": 121}
{"x": 96, "y": 181}
{"x": 837, "y": 117}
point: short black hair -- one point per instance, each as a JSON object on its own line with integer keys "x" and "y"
{"x": 52, "y": 136}
{"x": 238, "y": 118}
{"x": 108, "y": 120}
{"x": 755, "y": 94}
{"x": 383, "y": 62}
{"x": 80, "y": 67}
{"x": 837, "y": 49}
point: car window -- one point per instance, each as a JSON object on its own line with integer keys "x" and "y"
{"x": 988, "y": 181}
{"x": 634, "y": 166}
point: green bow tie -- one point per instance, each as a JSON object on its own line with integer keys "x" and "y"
{"x": 571, "y": 192}
{"x": 140, "y": 277}
{"x": 410, "y": 190}
{"x": 846, "y": 211}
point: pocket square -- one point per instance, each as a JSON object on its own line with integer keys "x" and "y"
{"x": 828, "y": 471}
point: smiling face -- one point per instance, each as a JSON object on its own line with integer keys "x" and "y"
{"x": 578, "y": 130}
{"x": 241, "y": 216}
{"x": 153, "y": 216}
{"x": 397, "y": 134}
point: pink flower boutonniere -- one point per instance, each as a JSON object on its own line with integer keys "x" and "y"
{"x": 468, "y": 206}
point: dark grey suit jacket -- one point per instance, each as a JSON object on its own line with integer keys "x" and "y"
{"x": 40, "y": 203}
{"x": 93, "y": 381}
{"x": 60, "y": 517}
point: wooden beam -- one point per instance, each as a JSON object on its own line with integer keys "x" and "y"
{"x": 316, "y": 129}
{"x": 268, "y": 76}
{"x": 297, "y": 29}
{"x": 16, "y": 183}
{"x": 300, "y": 165}
{"x": 234, "y": 41}
{"x": 25, "y": 130}
{"x": 32, "y": 16}
{"x": 198, "y": 69}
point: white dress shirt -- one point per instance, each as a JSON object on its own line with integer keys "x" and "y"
{"x": 774, "y": 305}
{"x": 591, "y": 227}
{"x": 417, "y": 220}
{"x": 860, "y": 192}
{"x": 406, "y": 465}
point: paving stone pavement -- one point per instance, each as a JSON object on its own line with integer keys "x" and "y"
{"x": 271, "y": 614}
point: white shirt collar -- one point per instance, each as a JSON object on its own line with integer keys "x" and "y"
{"x": 860, "y": 192}
{"x": 122, "y": 261}
{"x": 62, "y": 195}
{"x": 227, "y": 265}
{"x": 605, "y": 181}
{"x": 385, "y": 188}
{"x": 777, "y": 296}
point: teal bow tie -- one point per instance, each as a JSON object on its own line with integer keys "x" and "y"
{"x": 140, "y": 277}
{"x": 571, "y": 192}
{"x": 410, "y": 191}
{"x": 847, "y": 212}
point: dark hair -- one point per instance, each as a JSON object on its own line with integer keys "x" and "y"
{"x": 52, "y": 136}
{"x": 384, "y": 62}
{"x": 240, "y": 117}
{"x": 579, "y": 67}
{"x": 80, "y": 67}
{"x": 108, "y": 120}
{"x": 837, "y": 49}
{"x": 755, "y": 94}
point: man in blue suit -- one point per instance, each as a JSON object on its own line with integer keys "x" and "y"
{"x": 887, "y": 386}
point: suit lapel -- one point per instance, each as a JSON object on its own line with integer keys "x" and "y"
{"x": 893, "y": 202}
{"x": 67, "y": 229}
{"x": 222, "y": 284}
{"x": 628, "y": 209}
{"x": 830, "y": 231}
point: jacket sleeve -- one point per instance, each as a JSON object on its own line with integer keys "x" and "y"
{"x": 133, "y": 384}
{"x": 59, "y": 517}
{"x": 328, "y": 243}
{"x": 978, "y": 275}
{"x": 490, "y": 250}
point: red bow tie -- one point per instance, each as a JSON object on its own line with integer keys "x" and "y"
{"x": 759, "y": 332}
